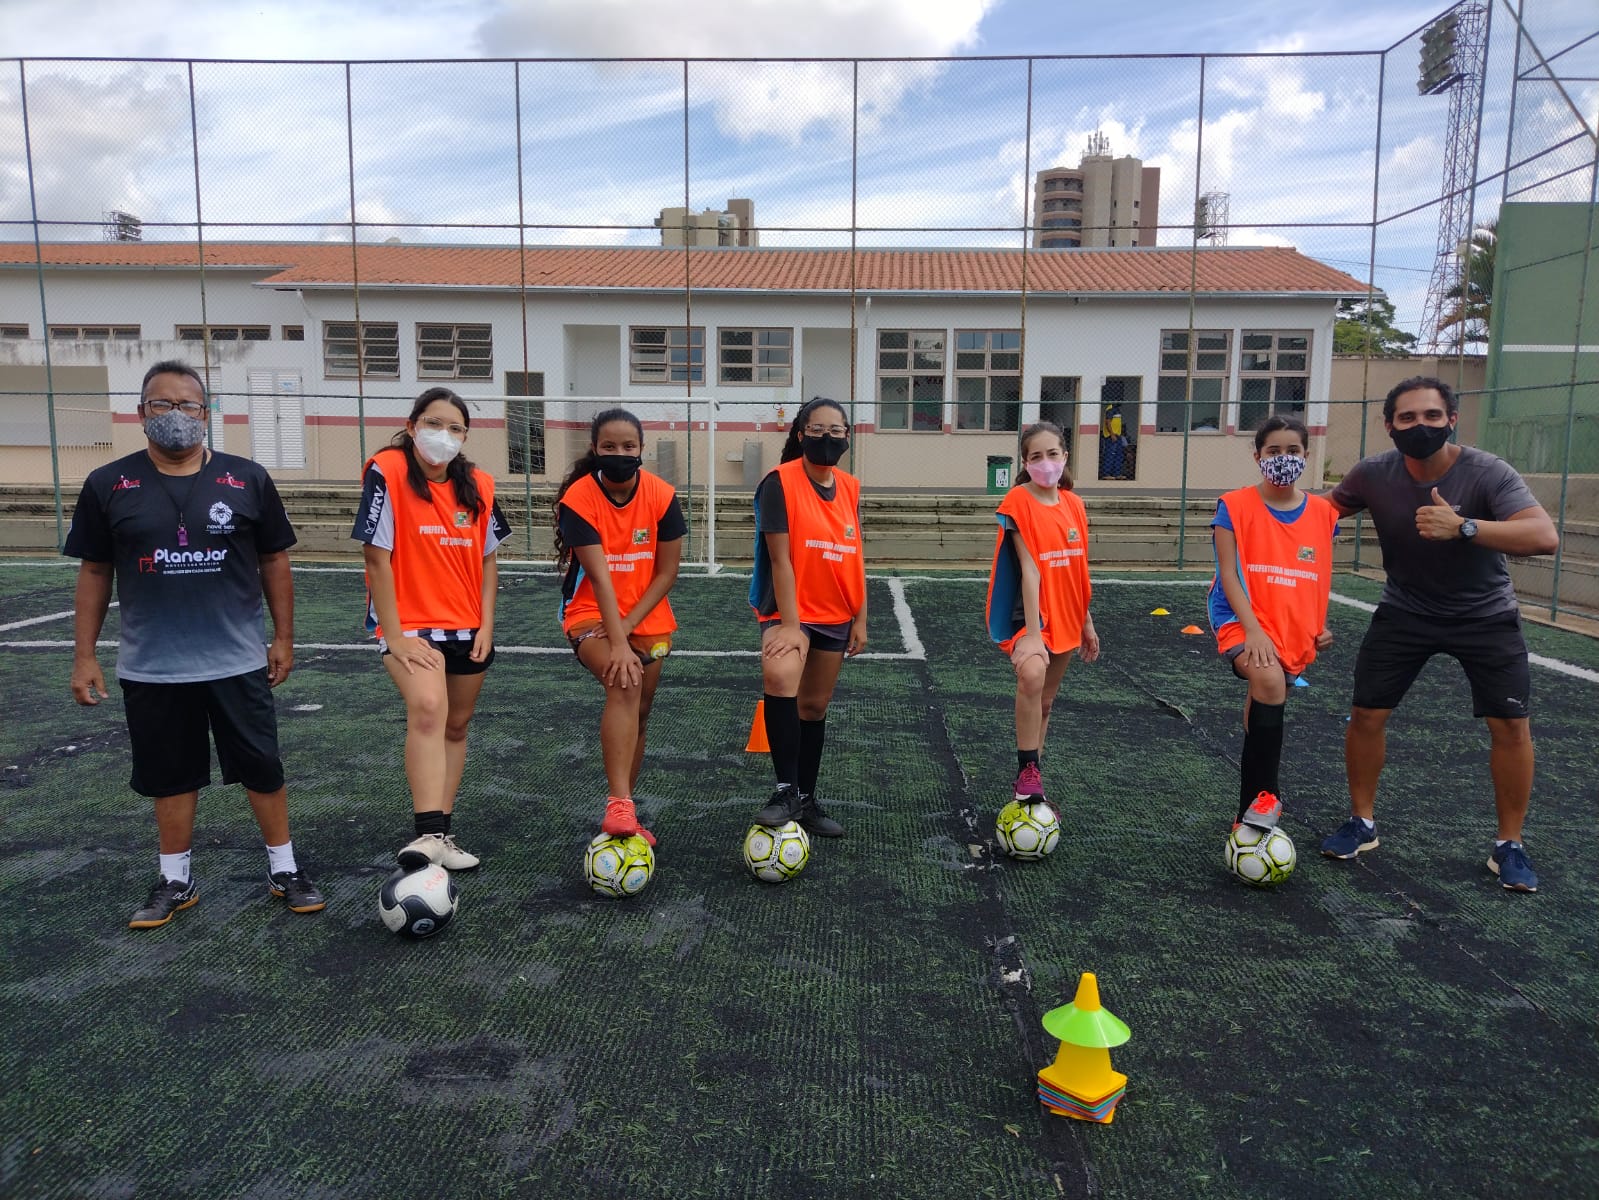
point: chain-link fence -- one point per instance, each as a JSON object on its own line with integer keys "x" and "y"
{"x": 1153, "y": 252}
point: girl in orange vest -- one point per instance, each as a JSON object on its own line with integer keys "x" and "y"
{"x": 1268, "y": 601}
{"x": 618, "y": 542}
{"x": 808, "y": 590}
{"x": 1038, "y": 592}
{"x": 430, "y": 528}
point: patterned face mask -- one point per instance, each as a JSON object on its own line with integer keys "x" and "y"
{"x": 174, "y": 431}
{"x": 1282, "y": 469}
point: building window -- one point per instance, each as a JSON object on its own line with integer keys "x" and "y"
{"x": 454, "y": 351}
{"x": 13, "y": 331}
{"x": 755, "y": 356}
{"x": 94, "y": 333}
{"x": 1211, "y": 356}
{"x": 225, "y": 333}
{"x": 988, "y": 381}
{"x": 666, "y": 354}
{"x": 1273, "y": 375}
{"x": 910, "y": 379}
{"x": 294, "y": 333}
{"x": 373, "y": 352}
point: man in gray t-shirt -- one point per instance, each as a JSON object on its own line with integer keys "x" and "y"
{"x": 1446, "y": 516}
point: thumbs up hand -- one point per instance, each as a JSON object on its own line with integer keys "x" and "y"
{"x": 1438, "y": 522}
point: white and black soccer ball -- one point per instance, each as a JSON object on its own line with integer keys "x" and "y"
{"x": 618, "y": 866}
{"x": 776, "y": 855}
{"x": 1260, "y": 857}
{"x": 418, "y": 903}
{"x": 1027, "y": 831}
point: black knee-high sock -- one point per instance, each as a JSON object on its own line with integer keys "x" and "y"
{"x": 1263, "y": 752}
{"x": 812, "y": 734}
{"x": 783, "y": 735}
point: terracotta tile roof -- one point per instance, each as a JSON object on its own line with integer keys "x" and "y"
{"x": 1073, "y": 272}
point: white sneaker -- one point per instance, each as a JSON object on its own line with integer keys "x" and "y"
{"x": 436, "y": 848}
{"x": 456, "y": 859}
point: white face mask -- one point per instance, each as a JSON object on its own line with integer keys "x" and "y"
{"x": 436, "y": 446}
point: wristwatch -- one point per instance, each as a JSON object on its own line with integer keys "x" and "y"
{"x": 1468, "y": 529}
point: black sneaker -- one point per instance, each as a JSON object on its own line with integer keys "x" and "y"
{"x": 166, "y": 898}
{"x": 813, "y": 818}
{"x": 296, "y": 887}
{"x": 785, "y": 807}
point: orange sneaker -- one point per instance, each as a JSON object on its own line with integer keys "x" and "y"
{"x": 622, "y": 821}
{"x": 1265, "y": 812}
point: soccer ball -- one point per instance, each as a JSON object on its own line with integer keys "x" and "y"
{"x": 417, "y": 904}
{"x": 776, "y": 855}
{"x": 618, "y": 866}
{"x": 1261, "y": 857}
{"x": 1027, "y": 831}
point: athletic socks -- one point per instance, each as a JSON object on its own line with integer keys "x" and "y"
{"x": 1262, "y": 755}
{"x": 812, "y": 734}
{"x": 447, "y": 817}
{"x": 281, "y": 858}
{"x": 432, "y": 822}
{"x": 176, "y": 866}
{"x": 1023, "y": 757}
{"x": 783, "y": 735}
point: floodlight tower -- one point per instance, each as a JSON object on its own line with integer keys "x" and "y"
{"x": 1453, "y": 52}
{"x": 1211, "y": 218}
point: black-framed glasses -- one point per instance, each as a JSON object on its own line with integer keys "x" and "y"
{"x": 189, "y": 408}
{"x": 827, "y": 431}
{"x": 435, "y": 424}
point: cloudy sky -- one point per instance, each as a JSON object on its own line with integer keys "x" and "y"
{"x": 944, "y": 149}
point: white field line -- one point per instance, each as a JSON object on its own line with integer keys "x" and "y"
{"x": 60, "y": 616}
{"x": 371, "y": 648}
{"x": 909, "y": 637}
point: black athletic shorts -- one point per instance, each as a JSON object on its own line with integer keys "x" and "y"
{"x": 458, "y": 657}
{"x": 834, "y": 638}
{"x": 168, "y": 725}
{"x": 1491, "y": 649}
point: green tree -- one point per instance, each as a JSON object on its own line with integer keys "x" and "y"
{"x": 1351, "y": 336}
{"x": 1471, "y": 299}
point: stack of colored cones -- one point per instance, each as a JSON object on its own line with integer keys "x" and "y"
{"x": 1080, "y": 1083}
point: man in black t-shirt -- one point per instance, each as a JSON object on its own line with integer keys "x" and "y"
{"x": 1446, "y": 516}
{"x": 192, "y": 540}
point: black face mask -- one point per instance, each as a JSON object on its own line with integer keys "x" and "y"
{"x": 824, "y": 451}
{"x": 1420, "y": 441}
{"x": 619, "y": 468}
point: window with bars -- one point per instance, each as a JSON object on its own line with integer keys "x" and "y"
{"x": 454, "y": 351}
{"x": 761, "y": 356}
{"x": 375, "y": 354}
{"x": 13, "y": 331}
{"x": 910, "y": 379}
{"x": 94, "y": 333}
{"x": 225, "y": 333}
{"x": 1211, "y": 353}
{"x": 1273, "y": 375}
{"x": 666, "y": 354}
{"x": 294, "y": 333}
{"x": 988, "y": 381}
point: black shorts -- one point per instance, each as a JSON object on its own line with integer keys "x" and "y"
{"x": 832, "y": 638}
{"x": 1232, "y": 654}
{"x": 168, "y": 725}
{"x": 458, "y": 657}
{"x": 1491, "y": 649}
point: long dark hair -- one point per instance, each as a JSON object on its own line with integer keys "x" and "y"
{"x": 586, "y": 464}
{"x": 1272, "y": 424}
{"x": 791, "y": 448}
{"x": 1028, "y": 435}
{"x": 459, "y": 470}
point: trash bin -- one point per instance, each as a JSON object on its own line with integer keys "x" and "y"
{"x": 999, "y": 474}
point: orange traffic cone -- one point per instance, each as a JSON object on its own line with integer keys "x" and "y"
{"x": 758, "y": 743}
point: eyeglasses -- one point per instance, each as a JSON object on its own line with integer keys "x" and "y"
{"x": 827, "y": 431}
{"x": 188, "y": 408}
{"x": 435, "y": 424}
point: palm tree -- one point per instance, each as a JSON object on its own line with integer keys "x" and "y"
{"x": 1473, "y": 295}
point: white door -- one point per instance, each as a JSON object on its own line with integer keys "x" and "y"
{"x": 277, "y": 420}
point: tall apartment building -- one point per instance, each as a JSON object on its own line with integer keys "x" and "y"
{"x": 733, "y": 226}
{"x": 1103, "y": 201}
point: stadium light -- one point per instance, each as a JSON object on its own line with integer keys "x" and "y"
{"x": 1438, "y": 69}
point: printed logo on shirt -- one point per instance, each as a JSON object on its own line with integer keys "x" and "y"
{"x": 1307, "y": 554}
{"x": 227, "y": 479}
{"x": 461, "y": 520}
{"x": 374, "y": 512}
{"x": 124, "y": 482}
{"x": 221, "y": 518}
{"x": 1072, "y": 535}
{"x": 849, "y": 531}
{"x": 641, "y": 537}
{"x": 183, "y": 562}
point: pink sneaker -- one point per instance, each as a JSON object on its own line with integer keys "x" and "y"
{"x": 621, "y": 820}
{"x": 1030, "y": 785}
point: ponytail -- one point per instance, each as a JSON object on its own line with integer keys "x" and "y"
{"x": 585, "y": 464}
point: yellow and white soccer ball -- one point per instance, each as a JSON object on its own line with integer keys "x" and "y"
{"x": 776, "y": 855}
{"x": 618, "y": 866}
{"x": 1260, "y": 857}
{"x": 1027, "y": 831}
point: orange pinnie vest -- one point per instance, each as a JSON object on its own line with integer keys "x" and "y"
{"x": 1057, "y": 539}
{"x": 628, "y": 538}
{"x": 824, "y": 545}
{"x": 437, "y": 558}
{"x": 1286, "y": 571}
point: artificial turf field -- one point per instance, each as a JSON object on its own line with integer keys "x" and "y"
{"x": 1397, "y": 1026}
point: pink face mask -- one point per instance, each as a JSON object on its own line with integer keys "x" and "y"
{"x": 1046, "y": 472}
